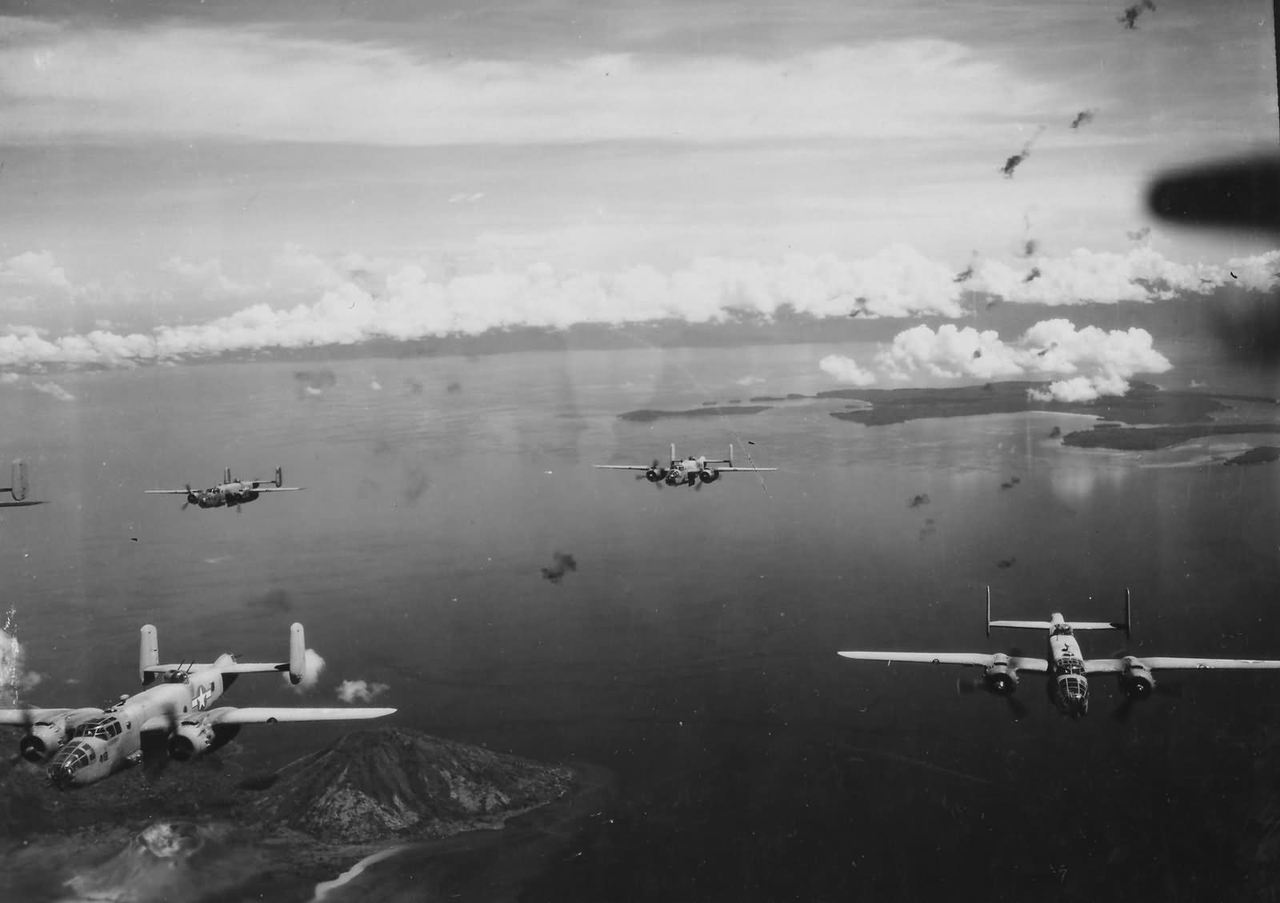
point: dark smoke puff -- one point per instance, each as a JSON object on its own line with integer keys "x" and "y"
{"x": 1011, "y": 164}
{"x": 1084, "y": 117}
{"x": 1129, "y": 18}
{"x": 564, "y": 563}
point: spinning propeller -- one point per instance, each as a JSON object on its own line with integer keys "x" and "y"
{"x": 967, "y": 685}
{"x": 657, "y": 469}
{"x": 190, "y": 498}
{"x": 1122, "y": 712}
{"x": 155, "y": 748}
{"x": 1006, "y": 690}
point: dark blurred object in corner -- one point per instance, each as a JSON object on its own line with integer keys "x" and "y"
{"x": 1240, "y": 193}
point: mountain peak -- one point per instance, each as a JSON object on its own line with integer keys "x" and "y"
{"x": 375, "y": 784}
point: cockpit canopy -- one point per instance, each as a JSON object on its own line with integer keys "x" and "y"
{"x": 102, "y": 728}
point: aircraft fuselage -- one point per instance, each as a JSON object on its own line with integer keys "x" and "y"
{"x": 112, "y": 742}
{"x": 1068, "y": 687}
{"x": 224, "y": 495}
{"x": 689, "y": 471}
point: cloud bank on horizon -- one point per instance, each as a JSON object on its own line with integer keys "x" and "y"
{"x": 362, "y": 299}
{"x": 1095, "y": 362}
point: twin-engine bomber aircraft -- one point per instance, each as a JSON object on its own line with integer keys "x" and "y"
{"x": 688, "y": 472}
{"x": 229, "y": 492}
{"x": 169, "y": 720}
{"x": 1066, "y": 667}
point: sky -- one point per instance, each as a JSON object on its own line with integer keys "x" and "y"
{"x": 182, "y": 178}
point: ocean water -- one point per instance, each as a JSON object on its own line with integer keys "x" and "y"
{"x": 693, "y": 650}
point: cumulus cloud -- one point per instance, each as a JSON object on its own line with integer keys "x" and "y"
{"x": 34, "y": 269}
{"x": 360, "y": 691}
{"x": 360, "y": 299}
{"x": 99, "y": 83}
{"x": 1080, "y": 388}
{"x": 314, "y": 665}
{"x": 1139, "y": 274}
{"x": 898, "y": 281}
{"x": 1095, "y": 361}
{"x": 846, "y": 370}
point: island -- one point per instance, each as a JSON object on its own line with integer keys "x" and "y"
{"x": 1144, "y": 418}
{"x": 1263, "y": 454}
{"x": 647, "y": 415}
{"x": 1144, "y": 403}
{"x": 1151, "y": 438}
{"x": 206, "y": 830}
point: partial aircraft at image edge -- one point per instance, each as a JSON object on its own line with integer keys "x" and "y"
{"x": 1066, "y": 668}
{"x": 169, "y": 720}
{"x": 18, "y": 487}
{"x": 691, "y": 471}
{"x": 229, "y": 492}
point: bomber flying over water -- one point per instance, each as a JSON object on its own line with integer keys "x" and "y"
{"x": 1066, "y": 667}
{"x": 229, "y": 492}
{"x": 691, "y": 471}
{"x": 171, "y": 719}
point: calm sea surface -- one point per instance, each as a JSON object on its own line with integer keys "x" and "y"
{"x": 693, "y": 650}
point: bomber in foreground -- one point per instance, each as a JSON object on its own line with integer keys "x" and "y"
{"x": 229, "y": 492}
{"x": 172, "y": 719}
{"x": 1067, "y": 669}
{"x": 691, "y": 471}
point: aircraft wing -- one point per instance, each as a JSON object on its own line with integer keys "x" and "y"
{"x": 21, "y": 717}
{"x": 622, "y": 466}
{"x": 1168, "y": 663}
{"x": 978, "y": 659}
{"x": 256, "y": 715}
{"x": 741, "y": 469}
{"x": 166, "y": 491}
{"x": 280, "y": 489}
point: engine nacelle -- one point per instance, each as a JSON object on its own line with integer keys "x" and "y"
{"x": 45, "y": 739}
{"x": 1001, "y": 678}
{"x": 654, "y": 476}
{"x": 191, "y": 740}
{"x": 709, "y": 476}
{"x": 1136, "y": 679}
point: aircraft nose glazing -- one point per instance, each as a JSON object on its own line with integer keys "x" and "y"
{"x": 69, "y": 760}
{"x": 61, "y": 775}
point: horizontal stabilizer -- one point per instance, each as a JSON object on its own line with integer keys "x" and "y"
{"x": 1096, "y": 625}
{"x": 1028, "y": 625}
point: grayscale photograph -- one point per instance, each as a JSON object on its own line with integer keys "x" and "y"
{"x": 639, "y": 452}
